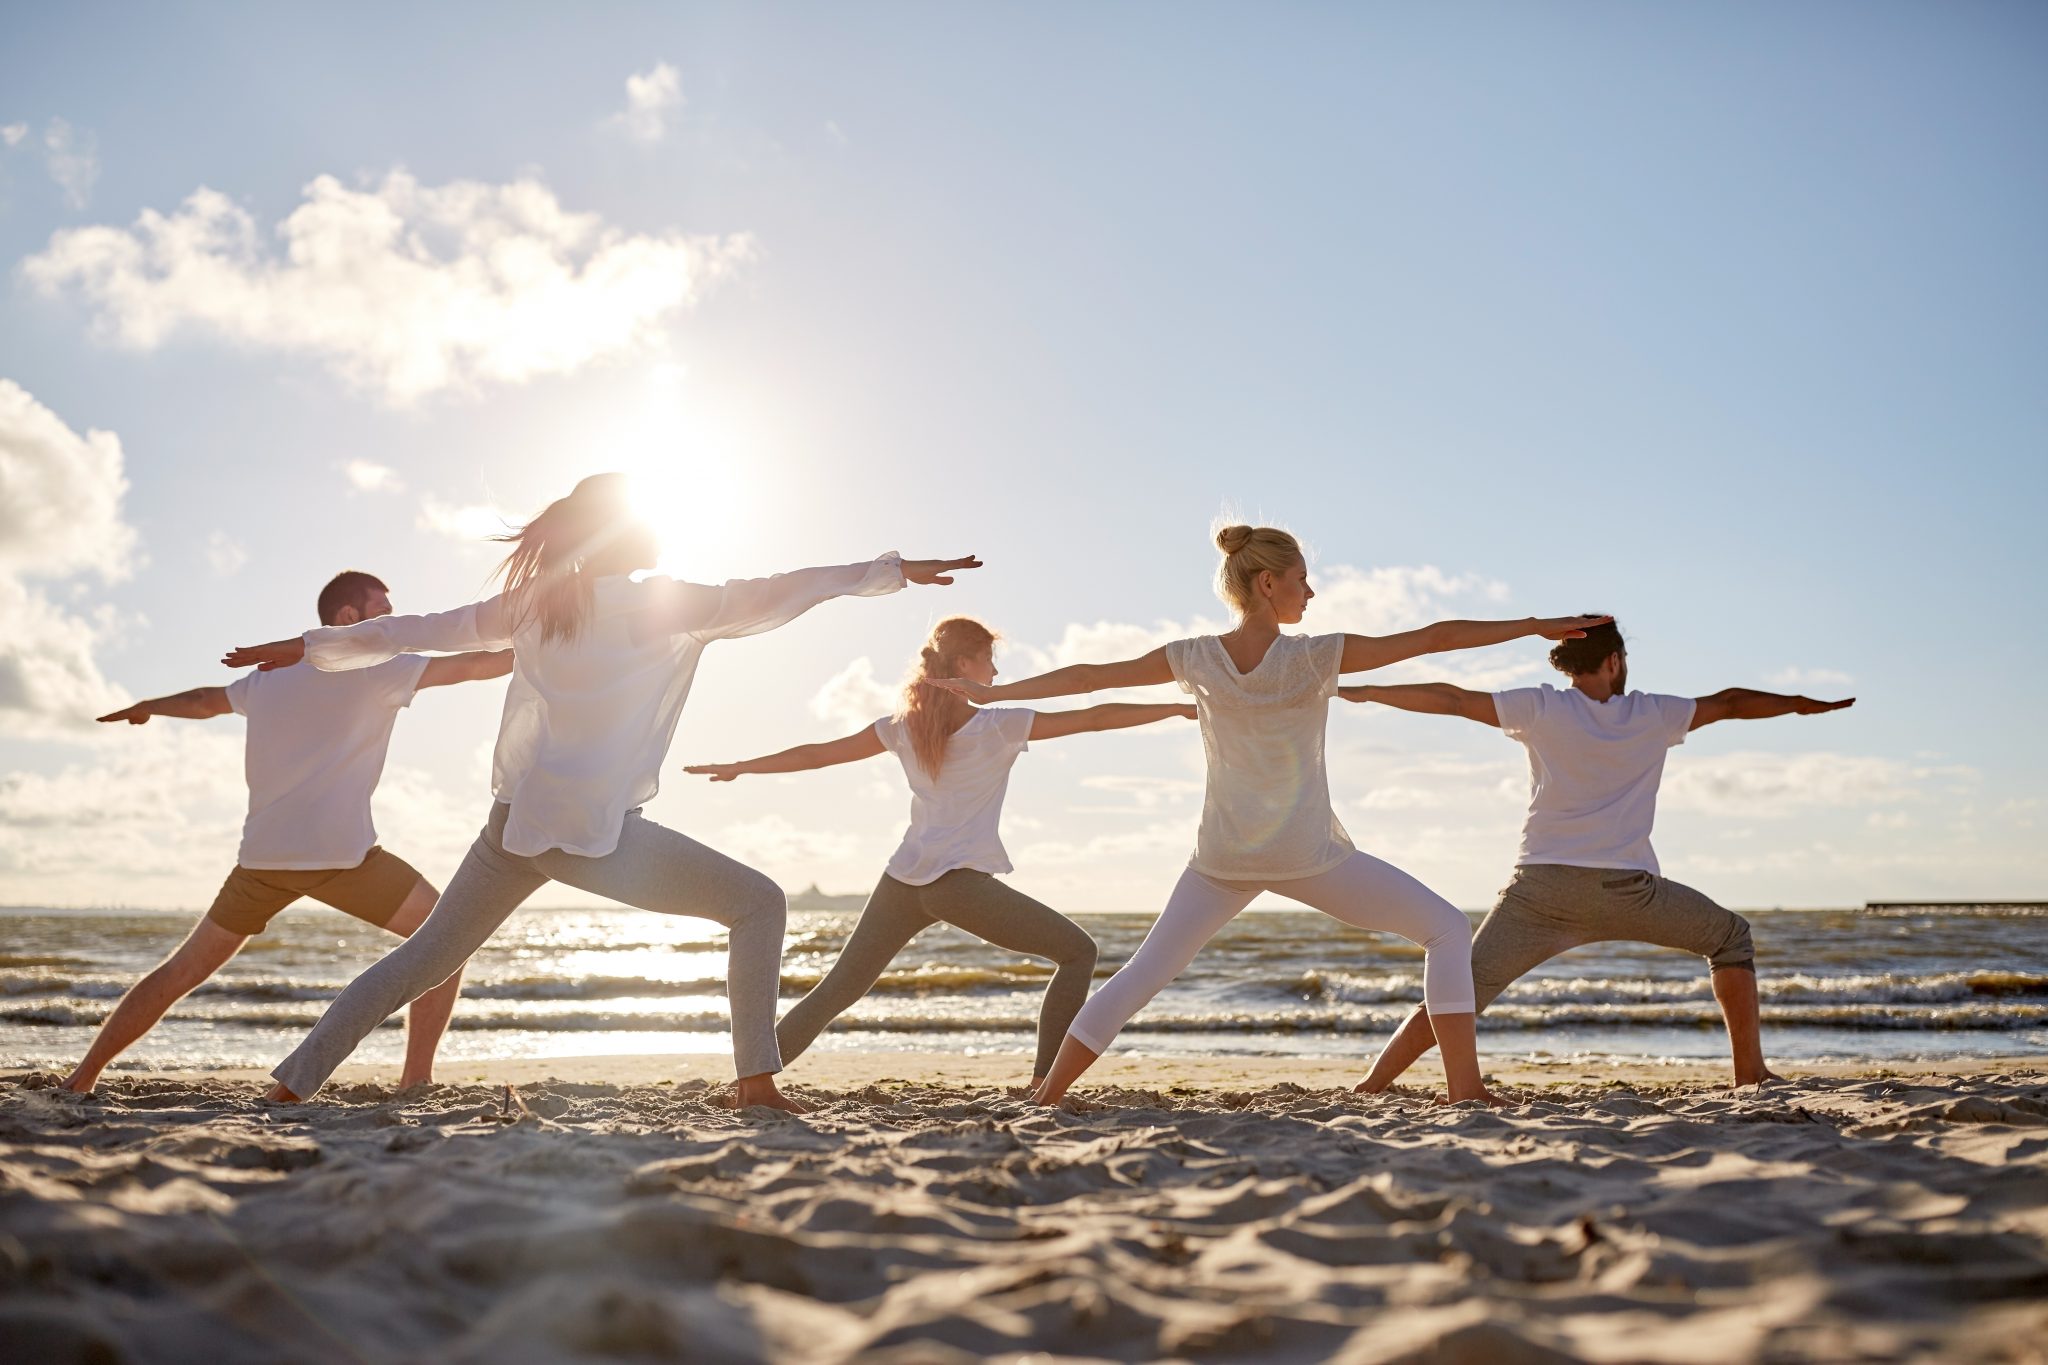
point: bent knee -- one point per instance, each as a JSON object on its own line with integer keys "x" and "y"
{"x": 1736, "y": 949}
{"x": 1081, "y": 952}
{"x": 1449, "y": 928}
{"x": 761, "y": 898}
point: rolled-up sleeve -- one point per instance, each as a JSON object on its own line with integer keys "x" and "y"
{"x": 482, "y": 625}
{"x": 749, "y": 606}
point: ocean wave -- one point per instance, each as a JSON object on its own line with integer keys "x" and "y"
{"x": 1344, "y": 988}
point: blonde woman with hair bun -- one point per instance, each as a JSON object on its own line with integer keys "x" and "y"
{"x": 957, "y": 759}
{"x": 1262, "y": 696}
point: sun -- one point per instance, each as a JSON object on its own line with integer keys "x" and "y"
{"x": 693, "y": 492}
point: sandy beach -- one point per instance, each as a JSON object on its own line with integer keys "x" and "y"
{"x": 607, "y": 1208}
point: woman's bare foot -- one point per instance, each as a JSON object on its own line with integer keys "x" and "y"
{"x": 1767, "y": 1077}
{"x": 79, "y": 1084}
{"x": 277, "y": 1094}
{"x": 1481, "y": 1096}
{"x": 1366, "y": 1087}
{"x": 752, "y": 1090}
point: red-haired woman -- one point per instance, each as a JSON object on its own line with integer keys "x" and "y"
{"x": 957, "y": 760}
{"x": 602, "y": 665}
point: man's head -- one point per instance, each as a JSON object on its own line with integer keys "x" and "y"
{"x": 353, "y": 596}
{"x": 1596, "y": 662}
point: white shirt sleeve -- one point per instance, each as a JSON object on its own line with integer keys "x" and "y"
{"x": 482, "y": 625}
{"x": 238, "y": 693}
{"x": 1178, "y": 659}
{"x": 1014, "y": 725}
{"x": 401, "y": 679}
{"x": 1676, "y": 713}
{"x": 1327, "y": 653}
{"x": 1517, "y": 709}
{"x": 889, "y": 732}
{"x": 749, "y": 606}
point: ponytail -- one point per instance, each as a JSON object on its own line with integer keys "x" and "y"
{"x": 931, "y": 714}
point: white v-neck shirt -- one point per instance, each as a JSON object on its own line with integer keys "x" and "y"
{"x": 1266, "y": 807}
{"x": 955, "y": 818}
{"x": 588, "y": 721}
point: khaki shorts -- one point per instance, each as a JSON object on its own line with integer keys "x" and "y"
{"x": 1550, "y": 909}
{"x": 372, "y": 891}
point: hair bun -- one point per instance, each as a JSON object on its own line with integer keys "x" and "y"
{"x": 1231, "y": 539}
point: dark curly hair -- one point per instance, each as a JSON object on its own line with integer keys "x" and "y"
{"x": 1573, "y": 657}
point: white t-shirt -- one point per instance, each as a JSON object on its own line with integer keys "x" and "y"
{"x": 314, "y": 753}
{"x": 954, "y": 819}
{"x": 1266, "y": 809}
{"x": 1593, "y": 772}
{"x": 587, "y": 721}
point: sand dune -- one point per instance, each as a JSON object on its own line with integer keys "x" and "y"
{"x": 1841, "y": 1218}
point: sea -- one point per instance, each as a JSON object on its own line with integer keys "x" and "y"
{"x": 1875, "y": 985}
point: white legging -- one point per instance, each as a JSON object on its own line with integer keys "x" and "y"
{"x": 1361, "y": 891}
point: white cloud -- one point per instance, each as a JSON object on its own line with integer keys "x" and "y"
{"x": 1161, "y": 837}
{"x": 366, "y": 476}
{"x": 1144, "y": 793}
{"x": 471, "y": 523}
{"x": 225, "y": 555}
{"x": 11, "y": 134}
{"x": 853, "y": 697}
{"x": 1802, "y": 680}
{"x": 649, "y": 98}
{"x": 1751, "y": 783}
{"x": 403, "y": 290}
{"x": 60, "y": 516}
{"x": 774, "y": 845}
{"x": 74, "y": 161}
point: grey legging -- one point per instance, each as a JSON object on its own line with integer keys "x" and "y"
{"x": 652, "y": 868}
{"x": 896, "y": 912}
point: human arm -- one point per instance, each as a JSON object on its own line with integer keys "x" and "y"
{"x": 1362, "y": 652}
{"x": 1743, "y": 703}
{"x": 1110, "y": 716}
{"x": 485, "y": 625}
{"x": 803, "y": 758}
{"x": 473, "y": 667}
{"x": 1143, "y": 671}
{"x": 197, "y": 703}
{"x": 1429, "y": 699}
{"x": 749, "y": 606}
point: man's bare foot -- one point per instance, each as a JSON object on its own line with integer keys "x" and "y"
{"x": 1484, "y": 1096}
{"x": 1366, "y": 1087}
{"x": 749, "y": 1091}
{"x": 277, "y": 1094}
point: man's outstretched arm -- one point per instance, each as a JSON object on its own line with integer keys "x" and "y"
{"x": 198, "y": 703}
{"x": 1743, "y": 703}
{"x": 1430, "y": 699}
{"x": 473, "y": 667}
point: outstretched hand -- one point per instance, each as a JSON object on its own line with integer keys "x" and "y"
{"x": 134, "y": 715}
{"x": 1807, "y": 706}
{"x": 717, "y": 772}
{"x": 1569, "y": 627}
{"x": 938, "y": 571}
{"x": 276, "y": 654}
{"x": 981, "y": 694}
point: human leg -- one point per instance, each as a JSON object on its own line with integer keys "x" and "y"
{"x": 487, "y": 888}
{"x": 658, "y": 869}
{"x": 386, "y": 891}
{"x": 205, "y": 951}
{"x": 1006, "y": 917}
{"x": 889, "y": 920}
{"x": 1198, "y": 908}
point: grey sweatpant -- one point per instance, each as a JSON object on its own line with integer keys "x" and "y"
{"x": 652, "y": 868}
{"x": 1549, "y": 908}
{"x": 897, "y": 912}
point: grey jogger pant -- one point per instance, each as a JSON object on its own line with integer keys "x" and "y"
{"x": 1549, "y": 908}
{"x": 897, "y": 912}
{"x": 652, "y": 869}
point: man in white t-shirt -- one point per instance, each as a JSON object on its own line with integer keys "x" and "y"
{"x": 315, "y": 750}
{"x": 1586, "y": 872}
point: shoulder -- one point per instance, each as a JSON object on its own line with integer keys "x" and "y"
{"x": 1186, "y": 652}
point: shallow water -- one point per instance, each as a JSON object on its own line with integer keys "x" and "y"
{"x": 1836, "y": 984}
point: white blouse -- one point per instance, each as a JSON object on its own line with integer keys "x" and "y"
{"x": 588, "y": 721}
{"x": 1266, "y": 807}
{"x": 954, "y": 818}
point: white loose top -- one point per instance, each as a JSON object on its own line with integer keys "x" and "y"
{"x": 312, "y": 758}
{"x": 1593, "y": 772}
{"x": 1266, "y": 809}
{"x": 954, "y": 817}
{"x": 588, "y": 721}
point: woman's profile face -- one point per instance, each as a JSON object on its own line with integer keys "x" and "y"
{"x": 980, "y": 667}
{"x": 1289, "y": 593}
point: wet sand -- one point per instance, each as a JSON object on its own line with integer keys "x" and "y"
{"x": 1227, "y": 1210}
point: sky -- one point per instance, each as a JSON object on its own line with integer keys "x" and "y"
{"x": 1728, "y": 319}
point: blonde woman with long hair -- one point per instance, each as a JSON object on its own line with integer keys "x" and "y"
{"x": 957, "y": 759}
{"x": 602, "y": 665}
{"x": 1263, "y": 696}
